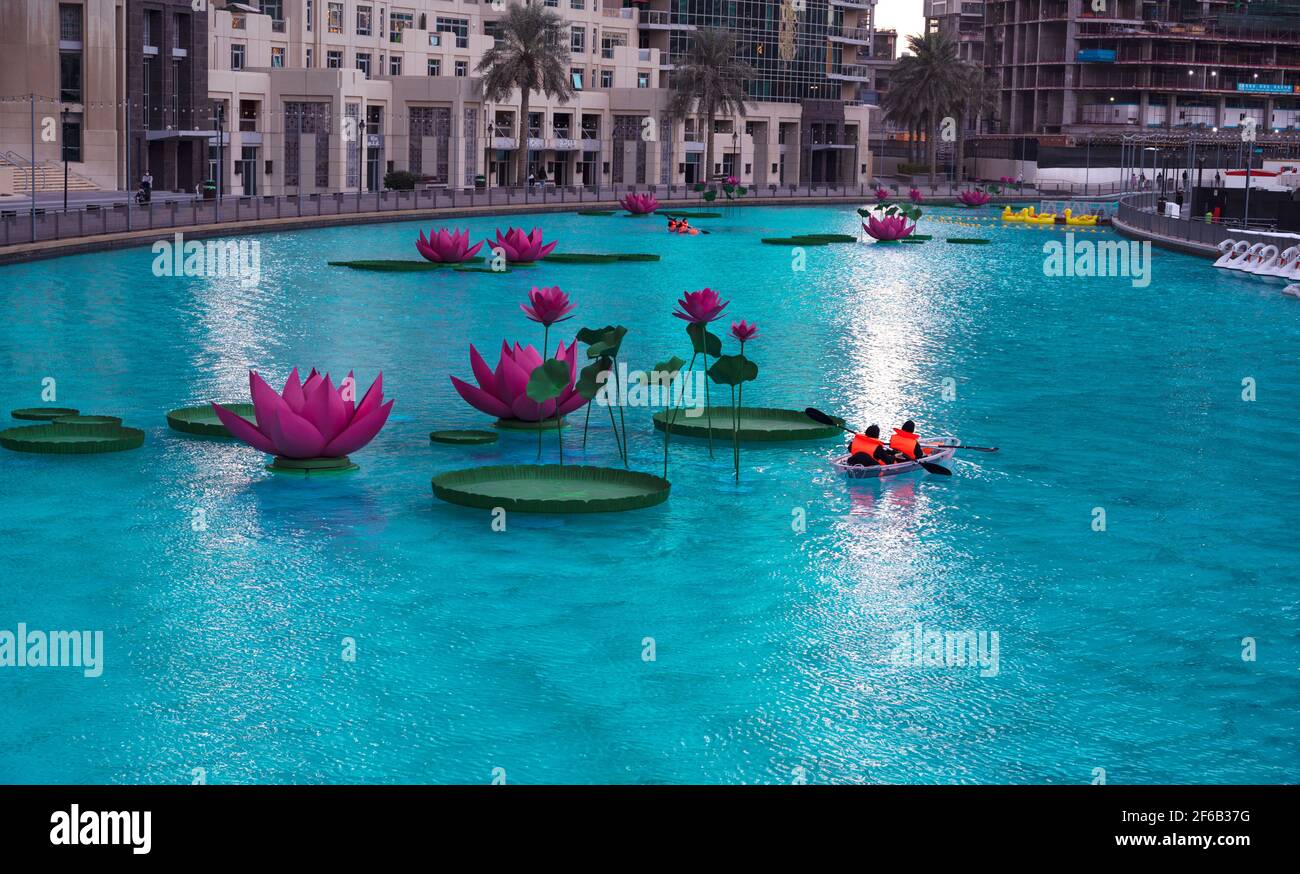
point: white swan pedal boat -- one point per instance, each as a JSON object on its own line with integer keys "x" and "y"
{"x": 941, "y": 449}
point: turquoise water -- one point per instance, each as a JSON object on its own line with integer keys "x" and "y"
{"x": 522, "y": 650}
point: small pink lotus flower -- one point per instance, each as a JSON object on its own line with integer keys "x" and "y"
{"x": 503, "y": 392}
{"x": 744, "y": 331}
{"x": 974, "y": 197}
{"x": 445, "y": 248}
{"x": 640, "y": 204}
{"x": 882, "y": 194}
{"x": 521, "y": 248}
{"x": 915, "y": 194}
{"x": 548, "y": 305}
{"x": 309, "y": 420}
{"x": 732, "y": 180}
{"x": 890, "y": 227}
{"x": 700, "y": 306}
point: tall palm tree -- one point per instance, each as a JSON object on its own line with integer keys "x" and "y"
{"x": 712, "y": 81}
{"x": 934, "y": 80}
{"x": 531, "y": 53}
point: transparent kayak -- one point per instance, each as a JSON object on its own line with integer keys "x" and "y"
{"x": 940, "y": 449}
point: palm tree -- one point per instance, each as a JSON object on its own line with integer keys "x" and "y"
{"x": 933, "y": 80}
{"x": 712, "y": 81}
{"x": 531, "y": 53}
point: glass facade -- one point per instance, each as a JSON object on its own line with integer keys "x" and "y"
{"x": 787, "y": 46}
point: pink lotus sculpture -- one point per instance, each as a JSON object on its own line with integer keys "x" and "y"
{"x": 501, "y": 392}
{"x": 445, "y": 248}
{"x": 640, "y": 204}
{"x": 882, "y": 194}
{"x": 521, "y": 248}
{"x": 312, "y": 419}
{"x": 887, "y": 228}
{"x": 974, "y": 197}
{"x": 915, "y": 194}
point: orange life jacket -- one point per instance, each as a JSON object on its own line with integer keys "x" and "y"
{"x": 907, "y": 443}
{"x": 869, "y": 445}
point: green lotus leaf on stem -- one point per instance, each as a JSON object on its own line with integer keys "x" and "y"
{"x": 665, "y": 372}
{"x": 710, "y": 195}
{"x": 699, "y": 186}
{"x": 733, "y": 370}
{"x": 704, "y": 342}
{"x": 548, "y": 380}
{"x": 588, "y": 383}
{"x": 740, "y": 190}
{"x": 592, "y": 335}
{"x": 608, "y": 345}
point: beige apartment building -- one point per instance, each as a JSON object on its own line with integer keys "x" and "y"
{"x": 331, "y": 95}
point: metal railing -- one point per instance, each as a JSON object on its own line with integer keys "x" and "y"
{"x": 1138, "y": 211}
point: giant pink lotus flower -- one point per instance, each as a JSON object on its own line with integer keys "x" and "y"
{"x": 313, "y": 419}
{"x": 445, "y": 248}
{"x": 700, "y": 306}
{"x": 974, "y": 197}
{"x": 890, "y": 227}
{"x": 546, "y": 306}
{"x": 915, "y": 194}
{"x": 501, "y": 392}
{"x": 521, "y": 248}
{"x": 640, "y": 204}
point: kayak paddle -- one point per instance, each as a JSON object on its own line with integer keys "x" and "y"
{"x": 822, "y": 419}
{"x": 825, "y": 420}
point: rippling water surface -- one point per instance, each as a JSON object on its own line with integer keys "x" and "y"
{"x": 523, "y": 650}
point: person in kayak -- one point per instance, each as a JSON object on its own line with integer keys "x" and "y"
{"x": 906, "y": 443}
{"x": 868, "y": 448}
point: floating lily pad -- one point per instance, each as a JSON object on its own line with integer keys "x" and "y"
{"x": 912, "y": 240}
{"x": 810, "y": 240}
{"x": 203, "y": 420}
{"x": 407, "y": 266}
{"x": 597, "y": 258}
{"x": 601, "y": 212}
{"x": 71, "y": 439}
{"x": 551, "y": 488}
{"x": 757, "y": 424}
{"x": 687, "y": 213}
{"x": 311, "y": 466}
{"x": 521, "y": 425}
{"x": 90, "y": 422}
{"x": 489, "y": 269}
{"x": 468, "y": 437}
{"x": 43, "y": 414}
{"x": 972, "y": 241}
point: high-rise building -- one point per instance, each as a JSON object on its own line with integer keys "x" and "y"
{"x": 963, "y": 20}
{"x": 1068, "y": 66}
{"x": 332, "y": 95}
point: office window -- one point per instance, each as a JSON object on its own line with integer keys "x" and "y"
{"x": 273, "y": 8}
{"x": 363, "y": 20}
{"x": 236, "y": 56}
{"x": 277, "y": 56}
{"x": 552, "y": 2}
{"x": 72, "y": 141}
{"x": 334, "y": 59}
{"x": 606, "y": 78}
{"x": 307, "y": 60}
{"x": 69, "y": 22}
{"x": 308, "y": 15}
{"x": 395, "y": 65}
{"x": 575, "y": 75}
{"x": 363, "y": 63}
{"x": 70, "y": 76}
{"x": 457, "y": 26}
{"x": 176, "y": 93}
{"x": 643, "y": 80}
{"x": 398, "y": 22}
{"x": 462, "y": 68}
{"x": 435, "y": 66}
{"x": 608, "y": 41}
{"x": 334, "y": 17}
{"x": 577, "y": 39}
{"x": 577, "y": 4}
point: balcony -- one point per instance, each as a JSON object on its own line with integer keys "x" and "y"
{"x": 858, "y": 36}
{"x": 663, "y": 21}
{"x": 851, "y": 73}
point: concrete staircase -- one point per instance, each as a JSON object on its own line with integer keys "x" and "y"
{"x": 49, "y": 176}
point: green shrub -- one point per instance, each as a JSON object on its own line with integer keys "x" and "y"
{"x": 401, "y": 180}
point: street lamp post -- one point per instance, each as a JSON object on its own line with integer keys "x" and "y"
{"x": 63, "y": 141}
{"x": 221, "y": 152}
